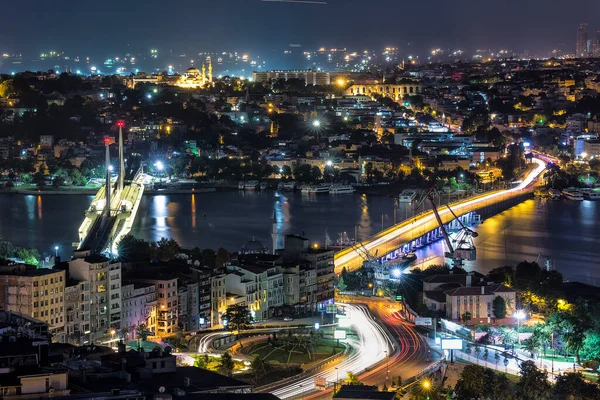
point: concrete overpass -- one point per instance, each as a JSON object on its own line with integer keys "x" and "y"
{"x": 404, "y": 232}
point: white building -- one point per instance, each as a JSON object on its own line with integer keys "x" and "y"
{"x": 105, "y": 290}
{"x": 269, "y": 282}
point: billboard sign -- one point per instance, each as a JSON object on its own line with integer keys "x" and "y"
{"x": 320, "y": 383}
{"x": 337, "y": 334}
{"x": 452, "y": 344}
{"x": 419, "y": 321}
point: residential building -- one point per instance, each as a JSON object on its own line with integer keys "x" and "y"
{"x": 104, "y": 279}
{"x": 138, "y": 307}
{"x": 261, "y": 269}
{"x": 77, "y": 306}
{"x": 218, "y": 297}
{"x": 166, "y": 300}
{"x": 320, "y": 261}
{"x": 37, "y": 293}
{"x": 477, "y": 301}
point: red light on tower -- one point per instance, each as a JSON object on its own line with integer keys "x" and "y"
{"x": 106, "y": 140}
{"x": 120, "y": 124}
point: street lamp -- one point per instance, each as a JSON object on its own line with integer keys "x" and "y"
{"x": 387, "y": 369}
{"x": 519, "y": 315}
{"x": 159, "y": 165}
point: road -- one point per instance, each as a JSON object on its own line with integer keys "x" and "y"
{"x": 369, "y": 347}
{"x": 392, "y": 238}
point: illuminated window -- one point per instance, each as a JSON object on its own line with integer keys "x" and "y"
{"x": 101, "y": 288}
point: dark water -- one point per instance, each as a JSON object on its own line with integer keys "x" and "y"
{"x": 567, "y": 232}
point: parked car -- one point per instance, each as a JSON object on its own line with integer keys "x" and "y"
{"x": 288, "y": 319}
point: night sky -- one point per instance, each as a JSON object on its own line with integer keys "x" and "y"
{"x": 92, "y": 27}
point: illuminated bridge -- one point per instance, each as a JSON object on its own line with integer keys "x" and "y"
{"x": 111, "y": 214}
{"x": 424, "y": 227}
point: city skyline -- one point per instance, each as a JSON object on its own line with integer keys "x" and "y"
{"x": 90, "y": 28}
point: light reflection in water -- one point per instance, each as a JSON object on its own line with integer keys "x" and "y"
{"x": 39, "y": 207}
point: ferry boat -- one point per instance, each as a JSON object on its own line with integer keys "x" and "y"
{"x": 407, "y": 196}
{"x": 251, "y": 185}
{"x": 341, "y": 189}
{"x": 572, "y": 194}
{"x": 321, "y": 189}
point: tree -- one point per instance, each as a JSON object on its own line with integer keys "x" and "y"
{"x": 164, "y": 249}
{"x": 572, "y": 386}
{"x": 226, "y": 365}
{"x": 38, "y": 179}
{"x": 237, "y": 316}
{"x": 499, "y": 307}
{"x": 496, "y": 358}
{"x": 352, "y": 379}
{"x": 221, "y": 258}
{"x": 533, "y": 383}
{"x": 258, "y": 367}
{"x": 506, "y": 364}
{"x": 465, "y": 317}
{"x": 142, "y": 332}
{"x": 471, "y": 383}
{"x": 131, "y": 248}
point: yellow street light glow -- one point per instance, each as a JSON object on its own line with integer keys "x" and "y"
{"x": 426, "y": 384}
{"x": 341, "y": 82}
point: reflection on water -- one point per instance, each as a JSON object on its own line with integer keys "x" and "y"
{"x": 565, "y": 231}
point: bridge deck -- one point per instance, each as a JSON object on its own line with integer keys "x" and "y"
{"x": 399, "y": 234}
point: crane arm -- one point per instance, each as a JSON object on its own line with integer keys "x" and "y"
{"x": 440, "y": 223}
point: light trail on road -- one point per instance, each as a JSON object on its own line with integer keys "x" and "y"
{"x": 368, "y": 349}
{"x": 349, "y": 257}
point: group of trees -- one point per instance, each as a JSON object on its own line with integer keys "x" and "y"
{"x": 132, "y": 249}
{"x": 482, "y": 383}
{"x": 29, "y": 256}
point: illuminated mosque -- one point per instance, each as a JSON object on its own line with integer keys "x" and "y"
{"x": 193, "y": 78}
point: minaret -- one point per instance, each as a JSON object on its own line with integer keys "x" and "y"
{"x": 203, "y": 73}
{"x": 210, "y": 70}
{"x": 274, "y": 234}
{"x": 121, "y": 157}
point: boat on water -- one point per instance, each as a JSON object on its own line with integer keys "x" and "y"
{"x": 305, "y": 189}
{"x": 407, "y": 196}
{"x": 554, "y": 194}
{"x": 316, "y": 189}
{"x": 289, "y": 186}
{"x": 572, "y": 194}
{"x": 241, "y": 185}
{"x": 592, "y": 194}
{"x": 251, "y": 185}
{"x": 342, "y": 189}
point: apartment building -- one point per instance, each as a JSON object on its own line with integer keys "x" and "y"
{"x": 77, "y": 309}
{"x": 104, "y": 280}
{"x": 218, "y": 298}
{"x": 204, "y": 277}
{"x": 36, "y": 293}
{"x": 263, "y": 270}
{"x": 138, "y": 307}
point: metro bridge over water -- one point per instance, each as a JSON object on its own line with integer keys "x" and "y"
{"x": 112, "y": 212}
{"x": 424, "y": 228}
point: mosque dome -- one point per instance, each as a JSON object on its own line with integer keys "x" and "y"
{"x": 192, "y": 71}
{"x": 254, "y": 247}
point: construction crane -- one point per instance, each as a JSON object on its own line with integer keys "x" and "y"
{"x": 460, "y": 247}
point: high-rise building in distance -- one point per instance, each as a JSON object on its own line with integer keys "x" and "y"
{"x": 597, "y": 44}
{"x": 581, "y": 49}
